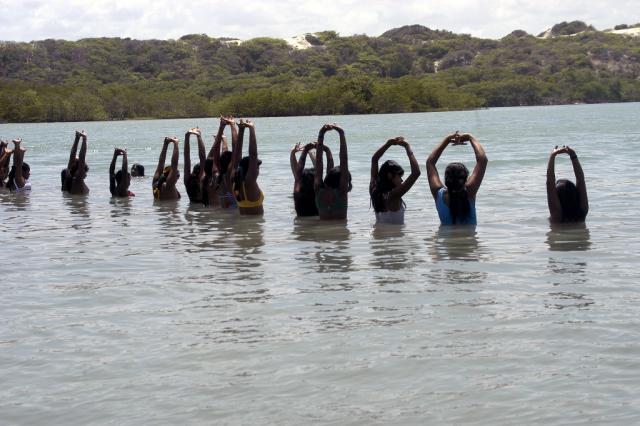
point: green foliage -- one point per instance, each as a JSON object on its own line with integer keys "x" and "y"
{"x": 406, "y": 69}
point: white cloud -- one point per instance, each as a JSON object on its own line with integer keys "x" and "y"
{"x": 75, "y": 19}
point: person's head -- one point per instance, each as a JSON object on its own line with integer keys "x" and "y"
{"x": 195, "y": 173}
{"x": 26, "y": 172}
{"x": 225, "y": 161}
{"x": 455, "y": 178}
{"x": 119, "y": 177}
{"x": 389, "y": 176}
{"x": 74, "y": 170}
{"x": 242, "y": 169}
{"x": 332, "y": 179}
{"x": 306, "y": 181}
{"x": 137, "y": 170}
{"x": 569, "y": 201}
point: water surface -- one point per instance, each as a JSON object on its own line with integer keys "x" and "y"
{"x": 133, "y": 312}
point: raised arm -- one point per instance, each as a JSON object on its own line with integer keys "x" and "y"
{"x": 112, "y": 172}
{"x": 252, "y": 173}
{"x": 374, "y": 163}
{"x": 173, "y": 174}
{"x": 236, "y": 153}
{"x": 126, "y": 177}
{"x": 344, "y": 159}
{"x": 432, "y": 172}
{"x": 329, "y": 155}
{"x": 162, "y": 159}
{"x": 475, "y": 179}
{"x": 187, "y": 157}
{"x": 74, "y": 150}
{"x": 580, "y": 183}
{"x": 83, "y": 153}
{"x": 553, "y": 200}
{"x": 293, "y": 162}
{"x": 406, "y": 185}
{"x": 300, "y": 166}
{"x": 317, "y": 182}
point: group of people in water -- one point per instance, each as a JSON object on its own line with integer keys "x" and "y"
{"x": 225, "y": 179}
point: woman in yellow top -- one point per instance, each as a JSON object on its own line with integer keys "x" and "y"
{"x": 245, "y": 174}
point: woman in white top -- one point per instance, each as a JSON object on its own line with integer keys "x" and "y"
{"x": 386, "y": 187}
{"x": 20, "y": 171}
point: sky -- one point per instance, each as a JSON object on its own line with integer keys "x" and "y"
{"x": 170, "y": 19}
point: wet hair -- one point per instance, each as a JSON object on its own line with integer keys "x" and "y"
{"x": 206, "y": 181}
{"x": 455, "y": 178}
{"x": 305, "y": 199}
{"x": 12, "y": 173}
{"x": 569, "y": 201}
{"x": 241, "y": 171}
{"x": 332, "y": 179}
{"x": 225, "y": 161}
{"x": 384, "y": 185}
{"x": 119, "y": 177}
{"x": 137, "y": 170}
{"x": 194, "y": 191}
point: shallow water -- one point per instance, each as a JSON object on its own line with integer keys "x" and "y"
{"x": 130, "y": 312}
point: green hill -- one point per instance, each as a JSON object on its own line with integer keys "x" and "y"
{"x": 407, "y": 69}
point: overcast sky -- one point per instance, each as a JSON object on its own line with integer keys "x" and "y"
{"x": 165, "y": 19}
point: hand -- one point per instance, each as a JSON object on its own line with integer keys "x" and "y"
{"x": 337, "y": 128}
{"x": 227, "y": 121}
{"x": 17, "y": 142}
{"x": 456, "y": 139}
{"x": 249, "y": 124}
{"x": 297, "y": 147}
{"x": 194, "y": 131}
{"x": 559, "y": 150}
{"x": 325, "y": 128}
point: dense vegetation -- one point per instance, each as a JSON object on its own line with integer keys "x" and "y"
{"x": 407, "y": 69}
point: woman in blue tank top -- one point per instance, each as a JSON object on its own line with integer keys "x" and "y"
{"x": 456, "y": 199}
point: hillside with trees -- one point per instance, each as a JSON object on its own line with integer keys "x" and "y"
{"x": 407, "y": 69}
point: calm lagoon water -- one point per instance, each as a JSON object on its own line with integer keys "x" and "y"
{"x": 130, "y": 312}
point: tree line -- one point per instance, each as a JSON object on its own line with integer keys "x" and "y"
{"x": 407, "y": 69}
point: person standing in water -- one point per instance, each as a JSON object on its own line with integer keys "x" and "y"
{"x": 225, "y": 165}
{"x": 20, "y": 171}
{"x": 568, "y": 202}
{"x": 304, "y": 194}
{"x": 456, "y": 199}
{"x": 211, "y": 179}
{"x": 165, "y": 178}
{"x": 5, "y": 161}
{"x": 332, "y": 193}
{"x": 193, "y": 178}
{"x": 76, "y": 172}
{"x": 119, "y": 182}
{"x": 386, "y": 186}
{"x": 245, "y": 178}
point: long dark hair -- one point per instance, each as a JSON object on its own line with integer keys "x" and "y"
{"x": 305, "y": 199}
{"x": 384, "y": 185}
{"x": 207, "y": 180}
{"x": 225, "y": 161}
{"x": 455, "y": 178}
{"x": 193, "y": 184}
{"x": 332, "y": 179}
{"x": 12, "y": 174}
{"x": 569, "y": 201}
